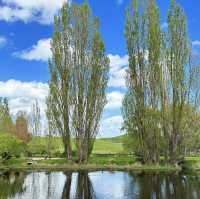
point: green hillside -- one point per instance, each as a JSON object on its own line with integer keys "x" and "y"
{"x": 40, "y": 145}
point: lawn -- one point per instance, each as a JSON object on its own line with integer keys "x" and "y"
{"x": 40, "y": 145}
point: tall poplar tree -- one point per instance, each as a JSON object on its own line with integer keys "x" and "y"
{"x": 162, "y": 82}
{"x": 177, "y": 59}
{"x": 90, "y": 77}
{"x": 154, "y": 43}
{"x": 134, "y": 105}
{"x": 141, "y": 105}
{"x": 60, "y": 70}
{"x": 79, "y": 75}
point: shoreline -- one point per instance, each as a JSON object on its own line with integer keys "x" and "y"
{"x": 92, "y": 167}
{"x": 190, "y": 164}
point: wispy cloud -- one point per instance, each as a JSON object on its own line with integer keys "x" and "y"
{"x": 164, "y": 25}
{"x": 111, "y": 126}
{"x": 118, "y": 65}
{"x": 115, "y": 99}
{"x": 3, "y": 41}
{"x": 196, "y": 43}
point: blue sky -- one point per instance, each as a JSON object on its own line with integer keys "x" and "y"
{"x": 25, "y": 31}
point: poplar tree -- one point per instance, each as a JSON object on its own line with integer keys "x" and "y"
{"x": 6, "y": 123}
{"x": 141, "y": 106}
{"x": 60, "y": 71}
{"x": 162, "y": 83}
{"x": 79, "y": 75}
{"x": 154, "y": 43}
{"x": 134, "y": 103}
{"x": 90, "y": 77}
{"x": 35, "y": 118}
{"x": 177, "y": 59}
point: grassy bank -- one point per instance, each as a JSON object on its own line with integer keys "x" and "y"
{"x": 112, "y": 162}
{"x": 192, "y": 164}
{"x": 108, "y": 154}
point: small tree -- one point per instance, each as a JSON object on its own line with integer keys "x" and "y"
{"x": 22, "y": 126}
{"x": 6, "y": 123}
{"x": 35, "y": 118}
{"x": 51, "y": 128}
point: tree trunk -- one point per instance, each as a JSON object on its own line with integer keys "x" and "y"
{"x": 67, "y": 148}
{"x": 83, "y": 153}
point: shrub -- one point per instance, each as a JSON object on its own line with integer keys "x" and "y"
{"x": 10, "y": 146}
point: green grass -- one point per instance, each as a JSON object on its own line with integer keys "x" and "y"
{"x": 96, "y": 162}
{"x": 112, "y": 159}
{"x": 108, "y": 153}
{"x": 39, "y": 146}
{"x": 192, "y": 163}
{"x": 192, "y": 158}
{"x": 107, "y": 146}
{"x": 53, "y": 161}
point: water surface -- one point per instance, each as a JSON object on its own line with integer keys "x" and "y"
{"x": 98, "y": 185}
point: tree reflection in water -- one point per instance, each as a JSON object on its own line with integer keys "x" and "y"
{"x": 83, "y": 189}
{"x": 67, "y": 186}
{"x": 166, "y": 186}
{"x": 120, "y": 185}
{"x": 11, "y": 183}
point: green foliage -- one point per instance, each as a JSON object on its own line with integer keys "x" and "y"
{"x": 79, "y": 74}
{"x": 161, "y": 106}
{"x": 6, "y": 124}
{"x": 35, "y": 118}
{"x": 11, "y": 145}
{"x": 11, "y": 184}
{"x": 38, "y": 146}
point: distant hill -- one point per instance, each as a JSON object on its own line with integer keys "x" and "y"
{"x": 116, "y": 139}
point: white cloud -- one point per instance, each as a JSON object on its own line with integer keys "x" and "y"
{"x": 3, "y": 41}
{"x": 164, "y": 25}
{"x": 196, "y": 43}
{"x": 42, "y": 52}
{"x": 116, "y": 61}
{"x": 14, "y": 14}
{"x": 38, "y": 52}
{"x": 41, "y": 11}
{"x": 21, "y": 95}
{"x": 111, "y": 126}
{"x": 117, "y": 78}
{"x": 118, "y": 67}
{"x": 115, "y": 99}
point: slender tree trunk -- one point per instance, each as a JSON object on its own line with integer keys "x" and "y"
{"x": 67, "y": 147}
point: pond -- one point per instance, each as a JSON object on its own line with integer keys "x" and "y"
{"x": 98, "y": 185}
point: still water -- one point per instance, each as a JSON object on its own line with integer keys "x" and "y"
{"x": 98, "y": 185}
